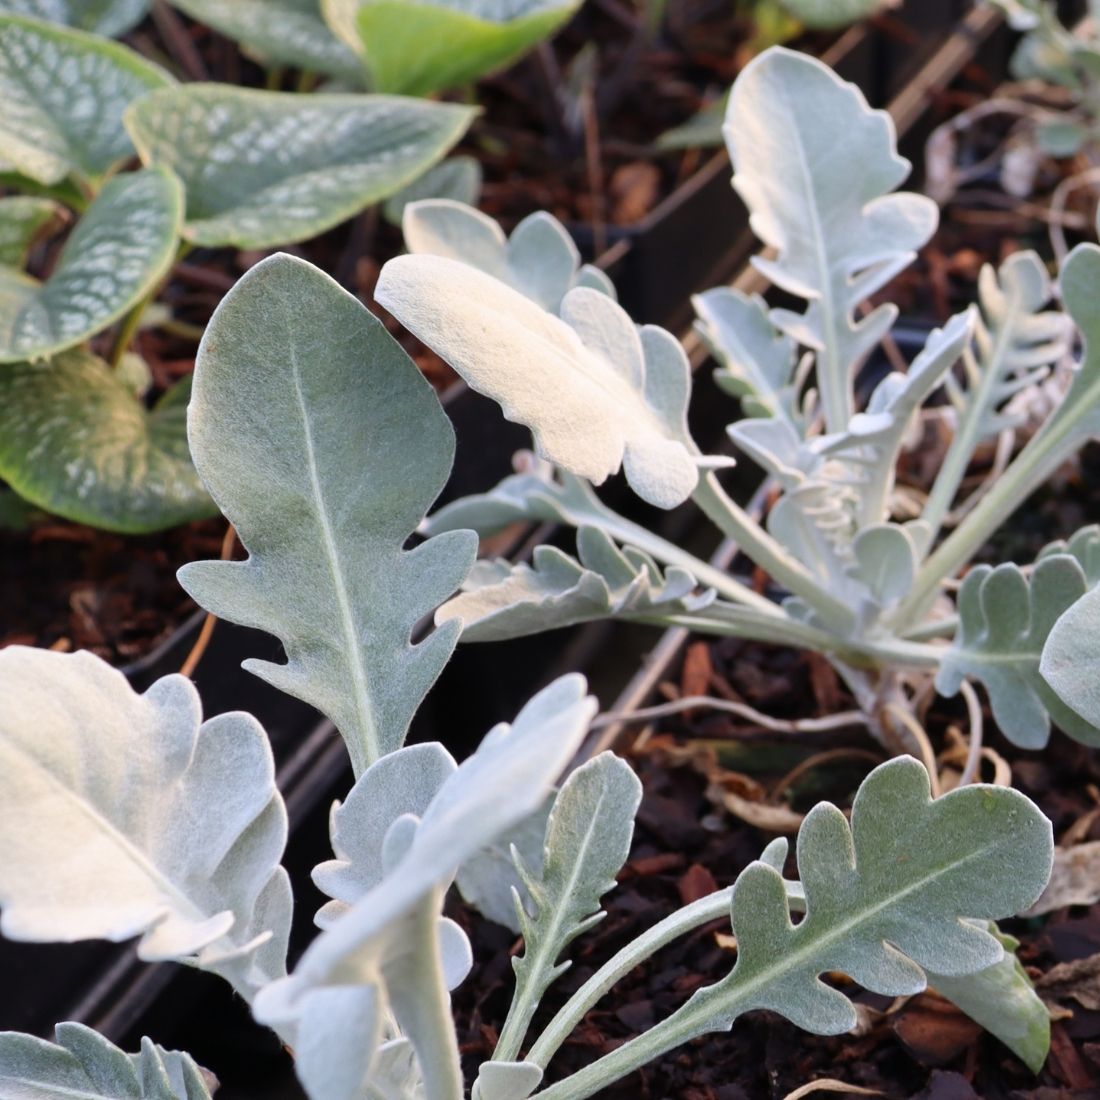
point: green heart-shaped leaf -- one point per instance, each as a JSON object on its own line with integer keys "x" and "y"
{"x": 118, "y": 252}
{"x": 287, "y": 32}
{"x": 110, "y": 18}
{"x": 22, "y": 218}
{"x": 76, "y": 442}
{"x": 63, "y": 94}
{"x": 267, "y": 168}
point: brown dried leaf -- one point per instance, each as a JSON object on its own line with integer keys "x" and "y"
{"x": 1074, "y": 880}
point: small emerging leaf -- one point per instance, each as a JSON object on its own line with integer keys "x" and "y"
{"x": 117, "y": 254}
{"x": 268, "y": 168}
{"x": 64, "y": 93}
{"x": 75, "y": 441}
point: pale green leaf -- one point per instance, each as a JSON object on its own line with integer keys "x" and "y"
{"x": 83, "y": 1065}
{"x": 125, "y": 815}
{"x": 117, "y": 254}
{"x": 702, "y": 131}
{"x": 417, "y": 47}
{"x": 267, "y": 168}
{"x": 539, "y": 260}
{"x": 283, "y": 32}
{"x": 500, "y": 600}
{"x": 898, "y": 890}
{"x": 77, "y": 443}
{"x": 587, "y": 842}
{"x": 597, "y": 393}
{"x": 1005, "y": 618}
{"x": 1002, "y": 999}
{"x": 110, "y": 18}
{"x": 1071, "y": 658}
{"x": 64, "y": 93}
{"x": 456, "y": 178}
{"x": 303, "y": 417}
{"x": 830, "y": 14}
{"x": 757, "y": 361}
{"x": 22, "y": 220}
{"x": 794, "y": 130}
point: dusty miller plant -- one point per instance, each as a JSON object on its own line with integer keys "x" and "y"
{"x": 127, "y": 816}
{"x": 873, "y": 590}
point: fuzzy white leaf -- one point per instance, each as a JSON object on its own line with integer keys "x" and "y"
{"x": 124, "y": 815}
{"x": 506, "y": 1081}
{"x": 794, "y": 130}
{"x": 303, "y": 415}
{"x": 597, "y": 393}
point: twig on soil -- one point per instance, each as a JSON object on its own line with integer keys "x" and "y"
{"x": 843, "y": 720}
{"x": 207, "y": 629}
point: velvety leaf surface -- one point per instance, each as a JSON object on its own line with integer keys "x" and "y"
{"x": 118, "y": 252}
{"x": 125, "y": 815}
{"x": 539, "y": 260}
{"x": 83, "y": 1065}
{"x": 794, "y": 129}
{"x": 76, "y": 442}
{"x": 423, "y": 47}
{"x": 597, "y": 393}
{"x": 303, "y": 418}
{"x": 1005, "y": 618}
{"x": 267, "y": 168}
{"x": 285, "y": 32}
{"x": 64, "y": 93}
{"x": 110, "y": 18}
{"x": 1071, "y": 657}
{"x": 22, "y": 219}
{"x": 501, "y": 600}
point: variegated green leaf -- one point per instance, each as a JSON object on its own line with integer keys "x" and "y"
{"x": 284, "y": 32}
{"x": 76, "y": 442}
{"x": 1005, "y": 618}
{"x": 82, "y": 1065}
{"x": 500, "y": 600}
{"x": 424, "y": 46}
{"x": 64, "y": 93}
{"x": 125, "y": 815}
{"x": 267, "y": 168}
{"x": 597, "y": 393}
{"x": 22, "y": 220}
{"x": 110, "y": 18}
{"x": 587, "y": 842}
{"x": 303, "y": 417}
{"x": 899, "y": 890}
{"x": 794, "y": 130}
{"x": 117, "y": 254}
{"x": 539, "y": 260}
